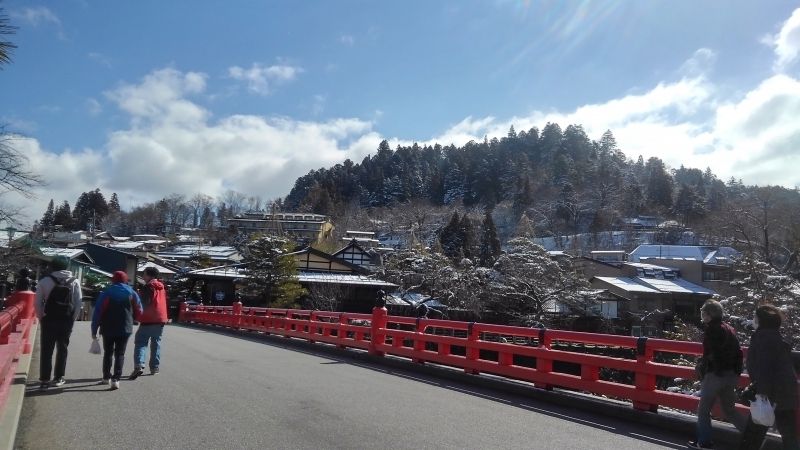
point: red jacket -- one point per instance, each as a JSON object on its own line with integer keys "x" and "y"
{"x": 154, "y": 302}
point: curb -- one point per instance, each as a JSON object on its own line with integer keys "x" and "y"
{"x": 9, "y": 421}
{"x": 724, "y": 433}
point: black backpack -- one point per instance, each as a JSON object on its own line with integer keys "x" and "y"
{"x": 59, "y": 304}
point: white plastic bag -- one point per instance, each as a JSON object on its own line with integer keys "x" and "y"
{"x": 762, "y": 411}
{"x": 95, "y": 347}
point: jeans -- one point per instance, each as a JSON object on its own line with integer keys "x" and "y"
{"x": 55, "y": 336}
{"x": 785, "y": 422}
{"x": 145, "y": 333}
{"x": 114, "y": 346}
{"x": 714, "y": 386}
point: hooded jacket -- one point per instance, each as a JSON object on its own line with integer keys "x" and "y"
{"x": 116, "y": 308}
{"x": 154, "y": 302}
{"x": 47, "y": 284}
{"x": 769, "y": 364}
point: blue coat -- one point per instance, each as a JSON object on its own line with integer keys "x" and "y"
{"x": 116, "y": 308}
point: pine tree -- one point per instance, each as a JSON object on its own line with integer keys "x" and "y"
{"x": 113, "y": 204}
{"x": 63, "y": 217}
{"x": 490, "y": 243}
{"x": 48, "y": 219}
{"x": 469, "y": 238}
{"x": 450, "y": 237}
{"x": 271, "y": 272}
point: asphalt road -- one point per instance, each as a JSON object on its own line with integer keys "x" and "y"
{"x": 221, "y": 391}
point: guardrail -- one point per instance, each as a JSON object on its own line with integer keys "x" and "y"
{"x": 15, "y": 337}
{"x": 546, "y": 358}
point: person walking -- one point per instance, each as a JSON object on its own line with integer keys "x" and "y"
{"x": 57, "y": 304}
{"x": 719, "y": 369}
{"x": 116, "y": 308}
{"x": 769, "y": 364}
{"x": 151, "y": 323}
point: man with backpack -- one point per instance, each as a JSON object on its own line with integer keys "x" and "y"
{"x": 719, "y": 371}
{"x": 58, "y": 304}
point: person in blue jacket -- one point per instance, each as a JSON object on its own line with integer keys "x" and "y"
{"x": 116, "y": 308}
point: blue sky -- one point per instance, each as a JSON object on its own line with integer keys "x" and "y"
{"x": 150, "y": 98}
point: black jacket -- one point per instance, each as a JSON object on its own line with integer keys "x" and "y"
{"x": 769, "y": 363}
{"x": 720, "y": 348}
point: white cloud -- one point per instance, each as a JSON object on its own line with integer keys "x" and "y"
{"x": 347, "y": 39}
{"x": 754, "y": 136}
{"x": 99, "y": 58}
{"x": 786, "y": 43}
{"x": 39, "y": 15}
{"x": 260, "y": 78}
{"x": 172, "y": 146}
{"x": 93, "y": 107}
{"x": 36, "y": 16}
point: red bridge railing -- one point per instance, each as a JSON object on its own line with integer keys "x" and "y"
{"x": 546, "y": 358}
{"x": 15, "y": 338}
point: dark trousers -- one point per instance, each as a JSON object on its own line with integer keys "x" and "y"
{"x": 114, "y": 346}
{"x": 785, "y": 422}
{"x": 55, "y": 336}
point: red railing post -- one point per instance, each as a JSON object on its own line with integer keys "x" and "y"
{"x": 380, "y": 319}
{"x": 25, "y": 300}
{"x": 543, "y": 364}
{"x": 472, "y": 352}
{"x": 341, "y": 332}
{"x": 419, "y": 343}
{"x": 645, "y": 382}
{"x": 237, "y": 315}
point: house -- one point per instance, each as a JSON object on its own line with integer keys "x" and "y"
{"x": 319, "y": 272}
{"x": 703, "y": 265}
{"x": 109, "y": 260}
{"x": 181, "y": 255}
{"x": 79, "y": 260}
{"x": 302, "y": 226}
{"x": 354, "y": 253}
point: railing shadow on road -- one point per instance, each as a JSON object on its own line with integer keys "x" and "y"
{"x": 73, "y": 385}
{"x": 335, "y": 355}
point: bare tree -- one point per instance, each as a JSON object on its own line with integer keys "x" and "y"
{"x": 235, "y": 202}
{"x": 198, "y": 204}
{"x": 15, "y": 175}
{"x": 5, "y": 46}
{"x": 325, "y": 296}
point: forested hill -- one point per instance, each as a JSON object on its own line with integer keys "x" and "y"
{"x": 566, "y": 175}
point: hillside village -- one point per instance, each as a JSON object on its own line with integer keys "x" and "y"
{"x": 639, "y": 292}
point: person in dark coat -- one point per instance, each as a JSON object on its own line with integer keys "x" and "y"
{"x": 719, "y": 373}
{"x": 769, "y": 364}
{"x": 116, "y": 309}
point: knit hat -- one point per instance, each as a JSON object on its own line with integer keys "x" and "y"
{"x": 119, "y": 277}
{"x": 59, "y": 263}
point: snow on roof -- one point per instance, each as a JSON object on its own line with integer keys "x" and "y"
{"x": 161, "y": 269}
{"x": 101, "y": 272}
{"x": 234, "y": 271}
{"x": 127, "y": 245}
{"x": 675, "y": 286}
{"x": 155, "y": 241}
{"x": 627, "y": 284}
{"x": 648, "y": 266}
{"x": 70, "y": 253}
{"x": 370, "y": 233}
{"x": 187, "y": 251}
{"x": 684, "y": 252}
{"x": 341, "y": 278}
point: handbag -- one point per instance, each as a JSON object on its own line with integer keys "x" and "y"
{"x": 95, "y": 347}
{"x": 762, "y": 411}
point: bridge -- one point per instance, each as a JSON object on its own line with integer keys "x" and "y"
{"x": 274, "y": 378}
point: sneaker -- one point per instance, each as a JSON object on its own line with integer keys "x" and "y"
{"x": 695, "y": 444}
{"x": 59, "y": 382}
{"x": 44, "y": 384}
{"x": 154, "y": 371}
{"x": 135, "y": 374}
{"x": 105, "y": 381}
{"x": 114, "y": 385}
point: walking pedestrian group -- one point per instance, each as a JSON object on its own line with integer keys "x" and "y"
{"x": 117, "y": 309}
